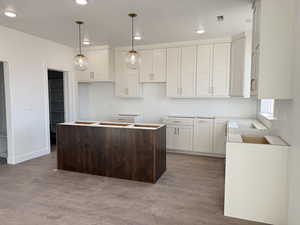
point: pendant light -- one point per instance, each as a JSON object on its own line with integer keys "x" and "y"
{"x": 133, "y": 57}
{"x": 80, "y": 61}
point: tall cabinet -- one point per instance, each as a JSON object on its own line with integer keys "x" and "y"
{"x": 240, "y": 74}
{"x": 272, "y": 50}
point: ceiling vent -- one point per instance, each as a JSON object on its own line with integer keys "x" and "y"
{"x": 220, "y": 18}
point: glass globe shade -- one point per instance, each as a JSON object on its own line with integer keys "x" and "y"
{"x": 133, "y": 60}
{"x": 81, "y": 62}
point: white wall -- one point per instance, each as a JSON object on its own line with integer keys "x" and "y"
{"x": 97, "y": 102}
{"x": 27, "y": 57}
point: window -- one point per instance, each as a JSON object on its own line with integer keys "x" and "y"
{"x": 267, "y": 108}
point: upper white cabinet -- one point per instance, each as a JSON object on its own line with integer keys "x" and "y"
{"x": 272, "y": 56}
{"x": 213, "y": 70}
{"x": 181, "y": 71}
{"x": 100, "y": 60}
{"x": 204, "y": 70}
{"x": 127, "y": 81}
{"x": 221, "y": 70}
{"x": 240, "y": 76}
{"x": 203, "y": 139}
{"x": 153, "y": 65}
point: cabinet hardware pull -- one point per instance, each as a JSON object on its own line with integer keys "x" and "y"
{"x": 252, "y": 84}
{"x": 175, "y": 131}
{"x": 92, "y": 75}
{"x": 151, "y": 76}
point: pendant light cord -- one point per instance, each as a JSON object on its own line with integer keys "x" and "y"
{"x": 132, "y": 39}
{"x": 80, "y": 39}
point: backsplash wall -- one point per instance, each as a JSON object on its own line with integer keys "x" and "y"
{"x": 97, "y": 102}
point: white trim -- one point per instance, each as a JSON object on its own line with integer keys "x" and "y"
{"x": 178, "y": 44}
{"x": 9, "y": 120}
{"x": 68, "y": 100}
{"x": 196, "y": 153}
{"x": 268, "y": 116}
{"x": 31, "y": 155}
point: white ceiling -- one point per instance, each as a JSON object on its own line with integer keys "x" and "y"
{"x": 107, "y": 21}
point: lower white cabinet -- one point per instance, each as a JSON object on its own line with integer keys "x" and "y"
{"x": 220, "y": 127}
{"x": 197, "y": 135}
{"x": 180, "y": 138}
{"x": 203, "y": 138}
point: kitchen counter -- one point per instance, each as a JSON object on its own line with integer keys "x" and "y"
{"x": 121, "y": 150}
{"x": 139, "y": 126}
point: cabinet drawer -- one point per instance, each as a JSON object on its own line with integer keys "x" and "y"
{"x": 179, "y": 121}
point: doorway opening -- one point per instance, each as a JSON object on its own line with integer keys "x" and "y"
{"x": 3, "y": 122}
{"x": 56, "y": 103}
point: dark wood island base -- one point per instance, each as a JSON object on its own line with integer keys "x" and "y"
{"x": 135, "y": 152}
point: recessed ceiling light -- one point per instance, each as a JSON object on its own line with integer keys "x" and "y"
{"x": 200, "y": 31}
{"x": 82, "y": 2}
{"x": 10, "y": 14}
{"x": 86, "y": 42}
{"x": 137, "y": 37}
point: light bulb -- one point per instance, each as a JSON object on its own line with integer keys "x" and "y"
{"x": 81, "y": 62}
{"x": 133, "y": 59}
{"x": 82, "y": 2}
{"x": 10, "y": 14}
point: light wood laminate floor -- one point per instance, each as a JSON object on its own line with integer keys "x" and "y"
{"x": 189, "y": 193}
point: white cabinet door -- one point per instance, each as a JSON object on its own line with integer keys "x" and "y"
{"x": 127, "y": 80}
{"x": 221, "y": 69}
{"x": 146, "y": 67}
{"x": 153, "y": 65}
{"x": 220, "y": 137}
{"x": 83, "y": 76}
{"x": 185, "y": 138}
{"x": 180, "y": 138}
{"x": 171, "y": 137}
{"x": 203, "y": 135}
{"x": 98, "y": 64}
{"x": 188, "y": 71}
{"x": 237, "y": 67}
{"x": 173, "y": 72}
{"x": 204, "y": 66}
{"x": 159, "y": 65}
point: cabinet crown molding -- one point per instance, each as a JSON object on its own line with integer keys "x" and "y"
{"x": 178, "y": 44}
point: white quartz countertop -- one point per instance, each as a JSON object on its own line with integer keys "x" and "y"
{"x": 140, "y": 126}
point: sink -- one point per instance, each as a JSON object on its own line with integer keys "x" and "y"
{"x": 115, "y": 124}
{"x": 255, "y": 140}
{"x": 146, "y": 126}
{"x": 84, "y": 122}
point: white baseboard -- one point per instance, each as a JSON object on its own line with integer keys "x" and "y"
{"x": 31, "y": 155}
{"x": 196, "y": 153}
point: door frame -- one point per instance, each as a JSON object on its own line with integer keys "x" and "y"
{"x": 8, "y": 106}
{"x": 68, "y": 105}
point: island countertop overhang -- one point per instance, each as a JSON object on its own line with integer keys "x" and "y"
{"x": 108, "y": 124}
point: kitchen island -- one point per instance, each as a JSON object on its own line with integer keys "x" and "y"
{"x": 121, "y": 150}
